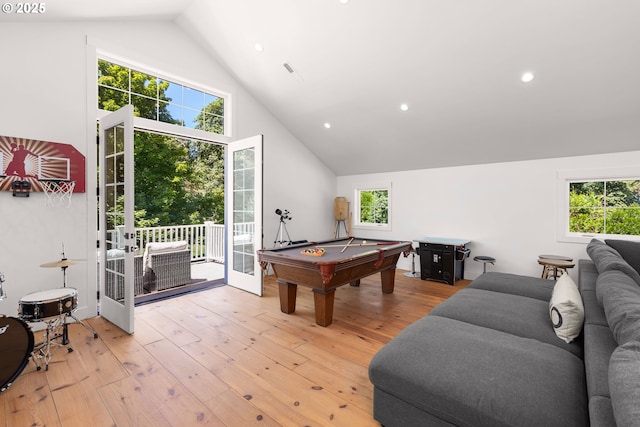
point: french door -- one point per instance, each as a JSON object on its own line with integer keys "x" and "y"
{"x": 117, "y": 235}
{"x": 243, "y": 194}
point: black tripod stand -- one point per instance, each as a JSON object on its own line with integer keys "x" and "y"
{"x": 282, "y": 229}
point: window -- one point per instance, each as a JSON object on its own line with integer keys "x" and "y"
{"x": 159, "y": 99}
{"x": 600, "y": 205}
{"x": 605, "y": 207}
{"x": 373, "y": 208}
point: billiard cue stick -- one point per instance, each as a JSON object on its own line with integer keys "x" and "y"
{"x": 347, "y": 245}
{"x": 358, "y": 244}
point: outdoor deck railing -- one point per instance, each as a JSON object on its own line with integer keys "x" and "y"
{"x": 205, "y": 240}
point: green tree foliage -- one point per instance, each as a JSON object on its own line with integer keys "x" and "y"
{"x": 119, "y": 86}
{"x": 374, "y": 207}
{"x": 605, "y": 207}
{"x": 207, "y": 185}
{"x": 211, "y": 118}
{"x": 162, "y": 171}
{"x": 177, "y": 181}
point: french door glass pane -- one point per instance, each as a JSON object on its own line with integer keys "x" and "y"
{"x": 114, "y": 212}
{"x": 243, "y": 211}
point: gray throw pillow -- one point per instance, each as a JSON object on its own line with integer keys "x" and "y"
{"x": 624, "y": 383}
{"x": 621, "y": 303}
{"x": 630, "y": 251}
{"x": 606, "y": 258}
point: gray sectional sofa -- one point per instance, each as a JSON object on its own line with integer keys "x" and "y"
{"x": 492, "y": 354}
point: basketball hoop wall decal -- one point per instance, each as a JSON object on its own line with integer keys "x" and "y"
{"x": 57, "y": 169}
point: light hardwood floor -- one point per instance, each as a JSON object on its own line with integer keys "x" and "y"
{"x": 223, "y": 357}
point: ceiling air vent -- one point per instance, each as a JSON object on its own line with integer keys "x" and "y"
{"x": 291, "y": 71}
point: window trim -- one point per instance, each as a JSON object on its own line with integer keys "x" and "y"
{"x": 564, "y": 178}
{"x": 356, "y": 197}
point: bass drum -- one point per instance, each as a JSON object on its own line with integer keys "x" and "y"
{"x": 16, "y": 346}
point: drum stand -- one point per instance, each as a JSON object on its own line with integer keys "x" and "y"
{"x": 65, "y": 332}
{"x": 56, "y": 328}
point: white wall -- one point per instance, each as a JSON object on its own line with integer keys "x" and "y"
{"x": 42, "y": 80}
{"x": 507, "y": 210}
{"x": 44, "y": 85}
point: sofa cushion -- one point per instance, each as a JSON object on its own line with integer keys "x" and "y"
{"x": 526, "y": 286}
{"x": 566, "y": 309}
{"x": 512, "y": 314}
{"x": 606, "y": 258}
{"x": 624, "y": 383}
{"x": 155, "y": 248}
{"x": 621, "y": 303}
{"x": 115, "y": 253}
{"x": 471, "y": 375}
{"x": 587, "y": 275}
{"x": 593, "y": 311}
{"x": 390, "y": 411}
{"x": 598, "y": 346}
{"x": 601, "y": 412}
{"x": 612, "y": 278}
{"x": 629, "y": 251}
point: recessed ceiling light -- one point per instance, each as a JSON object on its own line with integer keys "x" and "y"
{"x": 327, "y": 125}
{"x": 527, "y": 77}
{"x": 259, "y": 47}
{"x": 404, "y": 107}
{"x": 344, "y": 1}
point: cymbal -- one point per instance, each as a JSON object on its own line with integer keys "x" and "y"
{"x": 60, "y": 263}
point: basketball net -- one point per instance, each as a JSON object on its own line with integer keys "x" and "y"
{"x": 58, "y": 192}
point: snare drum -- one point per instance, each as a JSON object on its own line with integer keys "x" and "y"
{"x": 16, "y": 346}
{"x": 42, "y": 305}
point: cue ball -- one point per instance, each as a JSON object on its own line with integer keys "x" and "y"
{"x": 364, "y": 242}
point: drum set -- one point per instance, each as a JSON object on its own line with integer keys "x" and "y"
{"x": 16, "y": 345}
{"x": 52, "y": 307}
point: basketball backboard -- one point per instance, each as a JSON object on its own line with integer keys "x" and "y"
{"x": 54, "y": 168}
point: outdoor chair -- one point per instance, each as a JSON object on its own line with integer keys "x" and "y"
{"x": 166, "y": 265}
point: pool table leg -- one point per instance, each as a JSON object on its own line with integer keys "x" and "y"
{"x": 388, "y": 279}
{"x": 323, "y": 302}
{"x": 287, "y": 293}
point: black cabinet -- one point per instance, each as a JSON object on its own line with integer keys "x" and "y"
{"x": 442, "y": 262}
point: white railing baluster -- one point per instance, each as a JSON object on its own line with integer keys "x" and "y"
{"x": 209, "y": 235}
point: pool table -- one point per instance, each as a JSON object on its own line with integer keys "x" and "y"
{"x": 344, "y": 261}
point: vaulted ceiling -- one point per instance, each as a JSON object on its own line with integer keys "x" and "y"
{"x": 455, "y": 64}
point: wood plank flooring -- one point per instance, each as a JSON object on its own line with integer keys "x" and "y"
{"x": 223, "y": 357}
